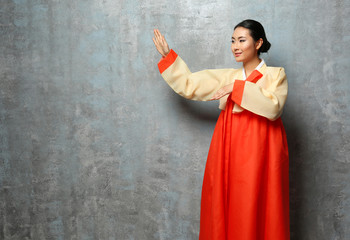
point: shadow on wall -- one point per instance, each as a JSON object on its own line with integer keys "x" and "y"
{"x": 295, "y": 182}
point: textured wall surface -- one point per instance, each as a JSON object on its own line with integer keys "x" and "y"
{"x": 95, "y": 145}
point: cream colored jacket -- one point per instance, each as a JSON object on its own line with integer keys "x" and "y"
{"x": 266, "y": 97}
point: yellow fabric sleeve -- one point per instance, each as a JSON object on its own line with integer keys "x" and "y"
{"x": 269, "y": 101}
{"x": 199, "y": 86}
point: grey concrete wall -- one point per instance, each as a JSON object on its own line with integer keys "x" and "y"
{"x": 94, "y": 144}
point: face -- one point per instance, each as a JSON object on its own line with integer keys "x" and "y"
{"x": 243, "y": 46}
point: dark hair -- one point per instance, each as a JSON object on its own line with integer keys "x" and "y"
{"x": 256, "y": 31}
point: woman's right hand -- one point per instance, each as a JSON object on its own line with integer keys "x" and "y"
{"x": 160, "y": 42}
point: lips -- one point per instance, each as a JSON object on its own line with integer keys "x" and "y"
{"x": 238, "y": 54}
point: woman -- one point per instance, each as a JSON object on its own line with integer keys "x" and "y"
{"x": 245, "y": 193}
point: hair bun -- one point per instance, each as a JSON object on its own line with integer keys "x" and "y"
{"x": 265, "y": 46}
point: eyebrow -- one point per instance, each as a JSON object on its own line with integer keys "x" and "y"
{"x": 238, "y": 37}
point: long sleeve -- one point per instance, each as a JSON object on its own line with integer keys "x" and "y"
{"x": 267, "y": 102}
{"x": 200, "y": 86}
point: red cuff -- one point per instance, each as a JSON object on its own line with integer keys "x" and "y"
{"x": 238, "y": 86}
{"x": 166, "y": 61}
{"x": 237, "y": 92}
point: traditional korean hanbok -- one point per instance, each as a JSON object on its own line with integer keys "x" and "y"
{"x": 245, "y": 192}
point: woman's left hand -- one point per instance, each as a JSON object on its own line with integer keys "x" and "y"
{"x": 223, "y": 91}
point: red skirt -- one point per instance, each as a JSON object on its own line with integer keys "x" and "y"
{"x": 245, "y": 193}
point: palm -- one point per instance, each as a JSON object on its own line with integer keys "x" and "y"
{"x": 160, "y": 43}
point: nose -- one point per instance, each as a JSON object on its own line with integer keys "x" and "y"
{"x": 234, "y": 46}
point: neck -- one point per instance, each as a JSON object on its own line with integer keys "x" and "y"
{"x": 251, "y": 65}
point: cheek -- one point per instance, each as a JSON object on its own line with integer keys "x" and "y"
{"x": 248, "y": 48}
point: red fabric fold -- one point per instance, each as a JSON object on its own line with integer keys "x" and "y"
{"x": 254, "y": 76}
{"x": 237, "y": 91}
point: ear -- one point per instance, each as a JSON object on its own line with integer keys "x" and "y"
{"x": 259, "y": 43}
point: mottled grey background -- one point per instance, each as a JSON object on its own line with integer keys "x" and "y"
{"x": 95, "y": 145}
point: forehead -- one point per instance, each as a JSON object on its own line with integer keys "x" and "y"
{"x": 241, "y": 32}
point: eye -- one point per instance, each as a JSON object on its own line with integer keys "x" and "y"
{"x": 232, "y": 41}
{"x": 242, "y": 40}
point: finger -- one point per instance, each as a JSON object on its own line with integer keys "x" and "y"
{"x": 159, "y": 35}
{"x": 158, "y": 38}
{"x": 162, "y": 38}
{"x": 163, "y": 41}
{"x": 154, "y": 41}
{"x": 219, "y": 94}
{"x": 155, "y": 33}
{"x": 215, "y": 97}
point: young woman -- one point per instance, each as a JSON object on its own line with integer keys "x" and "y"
{"x": 245, "y": 193}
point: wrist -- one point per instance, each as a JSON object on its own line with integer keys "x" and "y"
{"x": 166, "y": 53}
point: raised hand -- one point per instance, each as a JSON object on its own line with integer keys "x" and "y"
{"x": 160, "y": 43}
